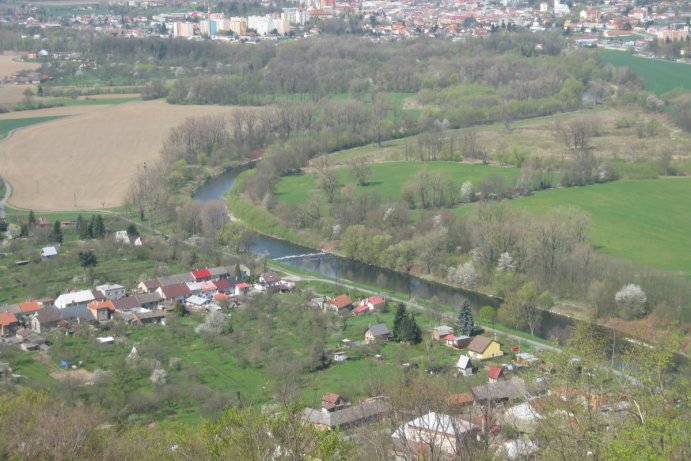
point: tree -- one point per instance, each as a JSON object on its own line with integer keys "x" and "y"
{"x": 465, "y": 275}
{"x": 398, "y": 320}
{"x": 99, "y": 227}
{"x": 467, "y": 192}
{"x": 488, "y": 313}
{"x": 631, "y": 301}
{"x": 91, "y": 228}
{"x": 521, "y": 308}
{"x": 466, "y": 322}
{"x": 410, "y": 330}
{"x": 56, "y": 234}
{"x": 32, "y": 218}
{"x": 88, "y": 261}
{"x": 505, "y": 263}
{"x": 132, "y": 229}
{"x": 360, "y": 170}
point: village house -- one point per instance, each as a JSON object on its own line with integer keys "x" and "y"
{"x": 441, "y": 332}
{"x": 460, "y": 401}
{"x": 495, "y": 373}
{"x": 377, "y": 333}
{"x": 45, "y": 319}
{"x": 340, "y": 303}
{"x": 433, "y": 433}
{"x": 148, "y": 300}
{"x": 242, "y": 289}
{"x": 74, "y": 298}
{"x": 465, "y": 366}
{"x": 524, "y": 358}
{"x": 483, "y": 348}
{"x": 148, "y": 286}
{"x": 143, "y": 318}
{"x": 372, "y": 410}
{"x": 202, "y": 275}
{"x": 360, "y": 310}
{"x": 127, "y": 303}
{"x": 372, "y": 302}
{"x": 457, "y": 342}
{"x": 522, "y": 416}
{"x": 176, "y": 292}
{"x": 333, "y": 402}
{"x": 123, "y": 237}
{"x": 196, "y": 302}
{"x": 223, "y": 286}
{"x": 29, "y": 307}
{"x": 8, "y": 323}
{"x": 101, "y": 310}
{"x": 111, "y": 291}
{"x": 501, "y": 391}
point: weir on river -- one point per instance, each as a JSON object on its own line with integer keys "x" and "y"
{"x": 337, "y": 267}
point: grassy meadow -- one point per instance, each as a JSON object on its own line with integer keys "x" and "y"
{"x": 660, "y": 76}
{"x": 388, "y": 179}
{"x": 645, "y": 221}
{"x": 12, "y": 124}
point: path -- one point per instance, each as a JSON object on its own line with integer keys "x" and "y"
{"x": 3, "y": 200}
{"x": 298, "y": 278}
{"x": 536, "y": 344}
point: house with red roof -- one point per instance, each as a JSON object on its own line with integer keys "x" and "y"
{"x": 373, "y": 302}
{"x": 360, "y": 310}
{"x": 201, "y": 275}
{"x": 340, "y": 303}
{"x": 8, "y": 323}
{"x": 495, "y": 373}
{"x": 242, "y": 289}
{"x": 101, "y": 310}
{"x": 29, "y": 307}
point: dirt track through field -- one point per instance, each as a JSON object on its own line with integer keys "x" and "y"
{"x": 90, "y": 156}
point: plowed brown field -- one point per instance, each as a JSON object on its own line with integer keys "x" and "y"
{"x": 90, "y": 156}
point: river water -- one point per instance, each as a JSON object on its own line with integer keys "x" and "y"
{"x": 311, "y": 260}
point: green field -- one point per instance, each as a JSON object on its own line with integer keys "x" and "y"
{"x": 12, "y": 124}
{"x": 387, "y": 179}
{"x": 645, "y": 221}
{"x": 660, "y": 76}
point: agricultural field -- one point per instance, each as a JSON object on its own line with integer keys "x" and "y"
{"x": 388, "y": 179}
{"x": 644, "y": 221}
{"x": 8, "y": 125}
{"x": 86, "y": 161}
{"x": 660, "y": 76}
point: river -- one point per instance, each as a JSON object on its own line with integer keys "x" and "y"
{"x": 337, "y": 267}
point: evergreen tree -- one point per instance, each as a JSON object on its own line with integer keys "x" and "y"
{"x": 141, "y": 214}
{"x": 56, "y": 235}
{"x": 466, "y": 323}
{"x": 24, "y": 230}
{"x": 32, "y": 218}
{"x": 99, "y": 228}
{"x": 398, "y": 321}
{"x": 409, "y": 329}
{"x": 78, "y": 224}
{"x": 91, "y": 227}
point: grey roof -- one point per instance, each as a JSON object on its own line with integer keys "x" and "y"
{"x": 147, "y": 298}
{"x": 221, "y": 271}
{"x": 443, "y": 330}
{"x": 11, "y": 308}
{"x": 510, "y": 389}
{"x": 347, "y": 416}
{"x": 74, "y": 313}
{"x": 176, "y": 278}
{"x": 150, "y": 315}
{"x": 380, "y": 329}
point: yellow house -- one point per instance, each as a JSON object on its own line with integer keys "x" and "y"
{"x": 482, "y": 348}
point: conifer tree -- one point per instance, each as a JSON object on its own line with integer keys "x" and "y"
{"x": 398, "y": 321}
{"x": 466, "y": 323}
{"x": 56, "y": 235}
{"x": 90, "y": 229}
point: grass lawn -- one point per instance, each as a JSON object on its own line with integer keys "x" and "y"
{"x": 388, "y": 179}
{"x": 645, "y": 221}
{"x": 12, "y": 124}
{"x": 660, "y": 76}
{"x": 90, "y": 101}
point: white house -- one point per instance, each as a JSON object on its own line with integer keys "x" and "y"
{"x": 74, "y": 298}
{"x": 112, "y": 290}
{"x": 442, "y": 432}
